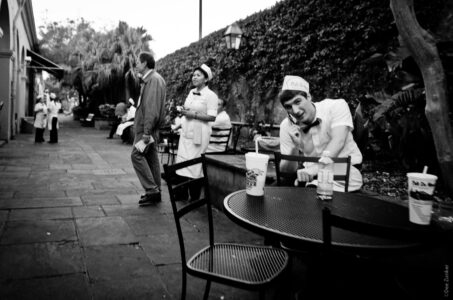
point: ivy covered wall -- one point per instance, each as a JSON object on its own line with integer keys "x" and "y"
{"x": 329, "y": 43}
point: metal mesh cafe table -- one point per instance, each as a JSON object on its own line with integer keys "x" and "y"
{"x": 294, "y": 215}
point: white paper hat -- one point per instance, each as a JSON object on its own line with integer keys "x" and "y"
{"x": 295, "y": 83}
{"x": 131, "y": 101}
{"x": 53, "y": 96}
{"x": 207, "y": 70}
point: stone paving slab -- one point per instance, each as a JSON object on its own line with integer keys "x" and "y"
{"x": 161, "y": 248}
{"x": 108, "y": 191}
{"x": 60, "y": 166}
{"x": 28, "y": 193}
{"x": 109, "y": 172}
{"x": 155, "y": 225}
{"x": 40, "y": 202}
{"x": 130, "y": 262}
{"x": 40, "y": 173}
{"x": 135, "y": 288}
{"x": 68, "y": 287}
{"x": 81, "y": 172}
{"x": 101, "y": 185}
{"x": 29, "y": 189}
{"x": 128, "y": 199}
{"x": 6, "y": 193}
{"x": 76, "y": 185}
{"x": 38, "y": 231}
{"x": 40, "y": 260}
{"x": 18, "y": 174}
{"x": 17, "y": 169}
{"x": 127, "y": 209}
{"x": 104, "y": 231}
{"x": 99, "y": 200}
{"x": 84, "y": 166}
{"x": 3, "y": 215}
{"x": 87, "y": 211}
{"x": 41, "y": 214}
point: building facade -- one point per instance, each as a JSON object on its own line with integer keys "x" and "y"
{"x": 20, "y": 65}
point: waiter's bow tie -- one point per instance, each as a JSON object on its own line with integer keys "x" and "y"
{"x": 196, "y": 93}
{"x": 315, "y": 123}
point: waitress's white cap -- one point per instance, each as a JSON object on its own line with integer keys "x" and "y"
{"x": 207, "y": 70}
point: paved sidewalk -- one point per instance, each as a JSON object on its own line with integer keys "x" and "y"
{"x": 70, "y": 226}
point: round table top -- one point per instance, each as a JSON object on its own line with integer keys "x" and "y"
{"x": 295, "y": 215}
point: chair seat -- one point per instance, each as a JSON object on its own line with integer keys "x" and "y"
{"x": 244, "y": 264}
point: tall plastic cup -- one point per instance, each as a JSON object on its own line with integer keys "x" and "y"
{"x": 256, "y": 165}
{"x": 421, "y": 188}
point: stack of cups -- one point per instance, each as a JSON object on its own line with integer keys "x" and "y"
{"x": 255, "y": 178}
{"x": 421, "y": 188}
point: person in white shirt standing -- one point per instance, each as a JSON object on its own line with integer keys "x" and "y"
{"x": 313, "y": 127}
{"x": 200, "y": 109}
{"x": 40, "y": 119}
{"x": 53, "y": 106}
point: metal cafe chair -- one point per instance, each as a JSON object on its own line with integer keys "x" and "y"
{"x": 170, "y": 148}
{"x": 239, "y": 265}
{"x": 370, "y": 262}
{"x": 291, "y": 176}
{"x": 301, "y": 159}
{"x": 221, "y": 138}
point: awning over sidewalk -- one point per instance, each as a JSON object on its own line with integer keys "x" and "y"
{"x": 41, "y": 63}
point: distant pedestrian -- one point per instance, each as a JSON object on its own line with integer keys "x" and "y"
{"x": 149, "y": 116}
{"x": 53, "y": 106}
{"x": 40, "y": 119}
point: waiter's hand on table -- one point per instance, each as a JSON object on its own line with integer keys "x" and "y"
{"x": 303, "y": 176}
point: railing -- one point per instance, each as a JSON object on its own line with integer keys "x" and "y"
{"x": 237, "y": 126}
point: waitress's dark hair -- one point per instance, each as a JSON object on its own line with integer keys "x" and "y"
{"x": 287, "y": 95}
{"x": 202, "y": 72}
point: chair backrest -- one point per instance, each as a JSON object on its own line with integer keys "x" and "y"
{"x": 180, "y": 208}
{"x": 330, "y": 220}
{"x": 220, "y": 137}
{"x": 301, "y": 159}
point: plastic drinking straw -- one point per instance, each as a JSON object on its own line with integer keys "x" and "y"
{"x": 425, "y": 169}
{"x": 256, "y": 144}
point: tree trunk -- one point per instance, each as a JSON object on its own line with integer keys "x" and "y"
{"x": 422, "y": 47}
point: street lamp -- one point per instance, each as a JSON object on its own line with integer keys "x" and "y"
{"x": 233, "y": 36}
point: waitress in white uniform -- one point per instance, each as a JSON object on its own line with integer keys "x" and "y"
{"x": 200, "y": 108}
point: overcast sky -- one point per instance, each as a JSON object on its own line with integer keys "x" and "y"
{"x": 173, "y": 24}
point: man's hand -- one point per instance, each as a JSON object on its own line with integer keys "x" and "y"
{"x": 294, "y": 133}
{"x": 146, "y": 138}
{"x": 303, "y": 176}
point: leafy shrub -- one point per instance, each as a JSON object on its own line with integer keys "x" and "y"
{"x": 329, "y": 43}
{"x": 396, "y": 127}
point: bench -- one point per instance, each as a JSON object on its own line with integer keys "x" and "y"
{"x": 88, "y": 121}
